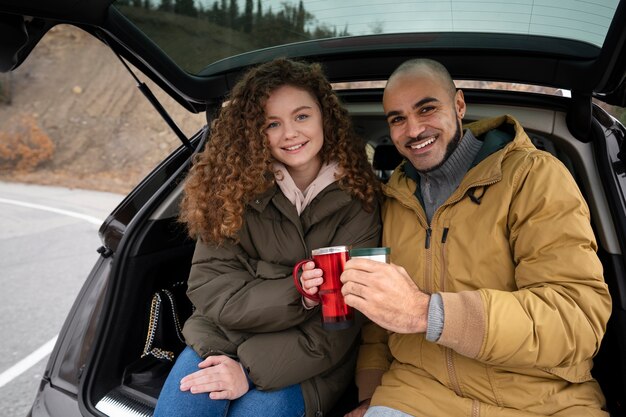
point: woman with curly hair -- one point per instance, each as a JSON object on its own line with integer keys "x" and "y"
{"x": 283, "y": 173}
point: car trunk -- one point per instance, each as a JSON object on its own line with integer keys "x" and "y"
{"x": 154, "y": 253}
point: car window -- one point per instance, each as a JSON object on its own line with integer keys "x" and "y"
{"x": 197, "y": 33}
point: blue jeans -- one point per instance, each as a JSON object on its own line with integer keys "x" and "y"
{"x": 286, "y": 402}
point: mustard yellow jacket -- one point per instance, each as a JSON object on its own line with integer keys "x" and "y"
{"x": 513, "y": 255}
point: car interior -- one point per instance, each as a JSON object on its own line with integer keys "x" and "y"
{"x": 159, "y": 254}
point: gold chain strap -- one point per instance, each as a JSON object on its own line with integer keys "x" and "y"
{"x": 179, "y": 329}
{"x": 155, "y": 308}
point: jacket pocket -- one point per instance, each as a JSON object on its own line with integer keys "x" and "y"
{"x": 547, "y": 390}
{"x": 575, "y": 374}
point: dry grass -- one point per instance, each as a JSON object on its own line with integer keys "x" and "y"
{"x": 24, "y": 146}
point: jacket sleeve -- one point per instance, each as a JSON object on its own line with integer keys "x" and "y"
{"x": 238, "y": 293}
{"x": 557, "y": 316}
{"x": 305, "y": 351}
{"x": 359, "y": 228}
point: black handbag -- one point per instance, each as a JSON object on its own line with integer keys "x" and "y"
{"x": 169, "y": 308}
{"x": 164, "y": 338}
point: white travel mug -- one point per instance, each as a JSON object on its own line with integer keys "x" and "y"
{"x": 375, "y": 254}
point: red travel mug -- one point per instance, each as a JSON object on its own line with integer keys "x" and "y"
{"x": 336, "y": 314}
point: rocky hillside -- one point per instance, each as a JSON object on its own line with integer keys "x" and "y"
{"x": 71, "y": 115}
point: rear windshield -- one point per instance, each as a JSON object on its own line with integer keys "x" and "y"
{"x": 196, "y": 33}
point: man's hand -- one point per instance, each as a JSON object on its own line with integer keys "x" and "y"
{"x": 360, "y": 410}
{"x": 310, "y": 280}
{"x": 386, "y": 294}
{"x": 222, "y": 377}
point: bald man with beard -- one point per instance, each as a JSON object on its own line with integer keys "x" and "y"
{"x": 494, "y": 303}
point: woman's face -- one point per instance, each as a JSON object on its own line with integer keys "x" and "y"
{"x": 293, "y": 125}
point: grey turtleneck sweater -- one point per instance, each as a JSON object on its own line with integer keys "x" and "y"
{"x": 436, "y": 186}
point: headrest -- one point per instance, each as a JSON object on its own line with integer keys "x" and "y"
{"x": 386, "y": 157}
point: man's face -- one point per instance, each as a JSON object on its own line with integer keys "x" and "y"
{"x": 424, "y": 118}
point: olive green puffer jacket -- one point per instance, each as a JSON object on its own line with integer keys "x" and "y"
{"x": 248, "y": 308}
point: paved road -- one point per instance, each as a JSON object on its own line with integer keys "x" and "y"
{"x": 48, "y": 242}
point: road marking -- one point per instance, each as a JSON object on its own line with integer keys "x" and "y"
{"x": 86, "y": 217}
{"x": 26, "y": 363}
{"x": 45, "y": 350}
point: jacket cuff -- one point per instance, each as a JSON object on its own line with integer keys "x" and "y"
{"x": 246, "y": 373}
{"x": 366, "y": 381}
{"x": 464, "y": 323}
{"x": 435, "y": 318}
{"x": 306, "y": 307}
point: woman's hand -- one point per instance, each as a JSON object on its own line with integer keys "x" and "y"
{"x": 360, "y": 410}
{"x": 222, "y": 377}
{"x": 310, "y": 280}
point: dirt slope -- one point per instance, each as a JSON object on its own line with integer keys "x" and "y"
{"x": 76, "y": 118}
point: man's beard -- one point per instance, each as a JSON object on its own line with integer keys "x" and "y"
{"x": 452, "y": 145}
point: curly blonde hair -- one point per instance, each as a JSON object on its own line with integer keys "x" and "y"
{"x": 236, "y": 165}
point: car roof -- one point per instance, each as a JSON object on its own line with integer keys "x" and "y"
{"x": 582, "y": 50}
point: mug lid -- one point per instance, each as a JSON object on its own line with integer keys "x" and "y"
{"x": 370, "y": 251}
{"x": 329, "y": 250}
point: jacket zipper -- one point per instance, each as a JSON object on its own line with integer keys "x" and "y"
{"x": 454, "y": 382}
{"x": 475, "y": 408}
{"x": 428, "y": 279}
{"x": 444, "y": 267}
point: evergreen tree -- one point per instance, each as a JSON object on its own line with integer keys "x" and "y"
{"x": 300, "y": 18}
{"x": 223, "y": 16}
{"x": 185, "y": 7}
{"x": 259, "y": 12}
{"x": 233, "y": 13}
{"x": 247, "y": 18}
{"x": 166, "y": 6}
{"x": 214, "y": 13}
